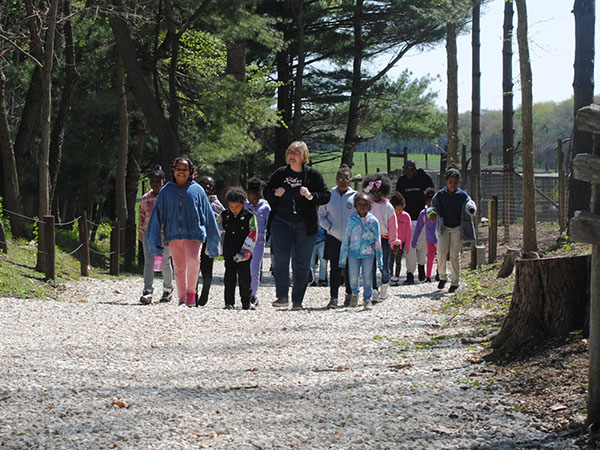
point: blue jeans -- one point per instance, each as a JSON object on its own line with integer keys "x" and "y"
{"x": 354, "y": 266}
{"x": 286, "y": 236}
{"x": 318, "y": 253}
{"x": 385, "y": 272}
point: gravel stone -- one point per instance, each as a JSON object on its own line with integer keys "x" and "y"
{"x": 96, "y": 369}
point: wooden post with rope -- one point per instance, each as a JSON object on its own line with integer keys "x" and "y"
{"x": 84, "y": 239}
{"x": 49, "y": 248}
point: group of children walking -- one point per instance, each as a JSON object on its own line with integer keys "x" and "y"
{"x": 364, "y": 232}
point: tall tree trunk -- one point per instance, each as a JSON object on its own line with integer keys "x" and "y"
{"x": 508, "y": 132}
{"x": 132, "y": 180}
{"x": 12, "y": 193}
{"x": 236, "y": 66}
{"x": 452, "y": 94}
{"x": 71, "y": 77}
{"x": 350, "y": 138}
{"x": 583, "y": 90}
{"x": 120, "y": 197}
{"x": 298, "y": 91}
{"x": 529, "y": 225}
{"x": 46, "y": 118}
{"x": 30, "y": 122}
{"x": 174, "y": 61}
{"x": 476, "y": 106}
{"x": 168, "y": 141}
{"x": 284, "y": 105}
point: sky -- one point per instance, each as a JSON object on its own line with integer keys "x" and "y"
{"x": 551, "y": 45}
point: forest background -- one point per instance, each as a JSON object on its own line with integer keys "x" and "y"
{"x": 230, "y": 84}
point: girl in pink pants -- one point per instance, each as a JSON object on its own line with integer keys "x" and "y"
{"x": 183, "y": 211}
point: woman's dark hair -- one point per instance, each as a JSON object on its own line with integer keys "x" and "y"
{"x": 362, "y": 195}
{"x": 397, "y": 199}
{"x": 235, "y": 195}
{"x": 158, "y": 172}
{"x": 373, "y": 179}
{"x": 184, "y": 159}
{"x": 254, "y": 186}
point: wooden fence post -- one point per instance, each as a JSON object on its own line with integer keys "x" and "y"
{"x": 84, "y": 239}
{"x": 426, "y": 162}
{"x": 115, "y": 248}
{"x": 585, "y": 227}
{"x": 561, "y": 187}
{"x": 50, "y": 248}
{"x": 405, "y": 156}
{"x": 443, "y": 163}
{"x": 490, "y": 159}
{"x": 388, "y": 160}
{"x": 493, "y": 229}
{"x": 366, "y": 164}
{"x": 3, "y": 242}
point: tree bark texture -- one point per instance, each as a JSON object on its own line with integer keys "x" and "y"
{"x": 120, "y": 176}
{"x": 12, "y": 192}
{"x": 284, "y": 106}
{"x": 550, "y": 299}
{"x": 298, "y": 90}
{"x": 355, "y": 95}
{"x": 168, "y": 141}
{"x": 583, "y": 95}
{"x": 476, "y": 106}
{"x": 46, "y": 128}
{"x": 508, "y": 131}
{"x": 452, "y": 94}
{"x": 529, "y": 215}
{"x": 70, "y": 80}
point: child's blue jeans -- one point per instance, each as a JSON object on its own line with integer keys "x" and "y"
{"x": 354, "y": 267}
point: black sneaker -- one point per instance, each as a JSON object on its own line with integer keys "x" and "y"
{"x": 333, "y": 303}
{"x": 410, "y": 279}
{"x": 452, "y": 289}
{"x": 253, "y": 302}
{"x": 146, "y": 298}
{"x": 167, "y": 296}
{"x": 441, "y": 284}
{"x": 437, "y": 276}
{"x": 421, "y": 272}
{"x": 280, "y": 303}
{"x": 297, "y": 308}
{"x": 347, "y": 300}
{"x": 428, "y": 280}
{"x": 322, "y": 283}
{"x": 229, "y": 307}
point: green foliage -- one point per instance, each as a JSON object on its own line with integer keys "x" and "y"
{"x": 202, "y": 54}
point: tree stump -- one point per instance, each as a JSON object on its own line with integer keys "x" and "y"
{"x": 3, "y": 243}
{"x": 508, "y": 264}
{"x": 550, "y": 299}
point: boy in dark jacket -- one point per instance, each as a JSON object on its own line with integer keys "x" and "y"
{"x": 240, "y": 232}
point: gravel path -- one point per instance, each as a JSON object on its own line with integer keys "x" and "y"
{"x": 98, "y": 370}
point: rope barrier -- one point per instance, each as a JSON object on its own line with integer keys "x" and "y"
{"x": 67, "y": 223}
{"x": 33, "y": 219}
{"x": 101, "y": 253}
{"x": 80, "y": 245}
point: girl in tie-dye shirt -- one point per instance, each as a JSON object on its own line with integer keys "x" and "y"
{"x": 361, "y": 244}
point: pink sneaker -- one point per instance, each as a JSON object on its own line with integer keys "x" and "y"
{"x": 191, "y": 299}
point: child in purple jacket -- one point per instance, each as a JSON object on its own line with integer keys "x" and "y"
{"x": 429, "y": 232}
{"x": 261, "y": 209}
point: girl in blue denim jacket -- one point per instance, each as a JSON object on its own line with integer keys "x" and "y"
{"x": 361, "y": 245}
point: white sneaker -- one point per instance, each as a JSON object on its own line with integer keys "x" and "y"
{"x": 375, "y": 296}
{"x": 367, "y": 305}
{"x": 384, "y": 294}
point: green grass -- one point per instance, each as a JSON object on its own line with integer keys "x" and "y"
{"x": 18, "y": 277}
{"x": 374, "y": 161}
